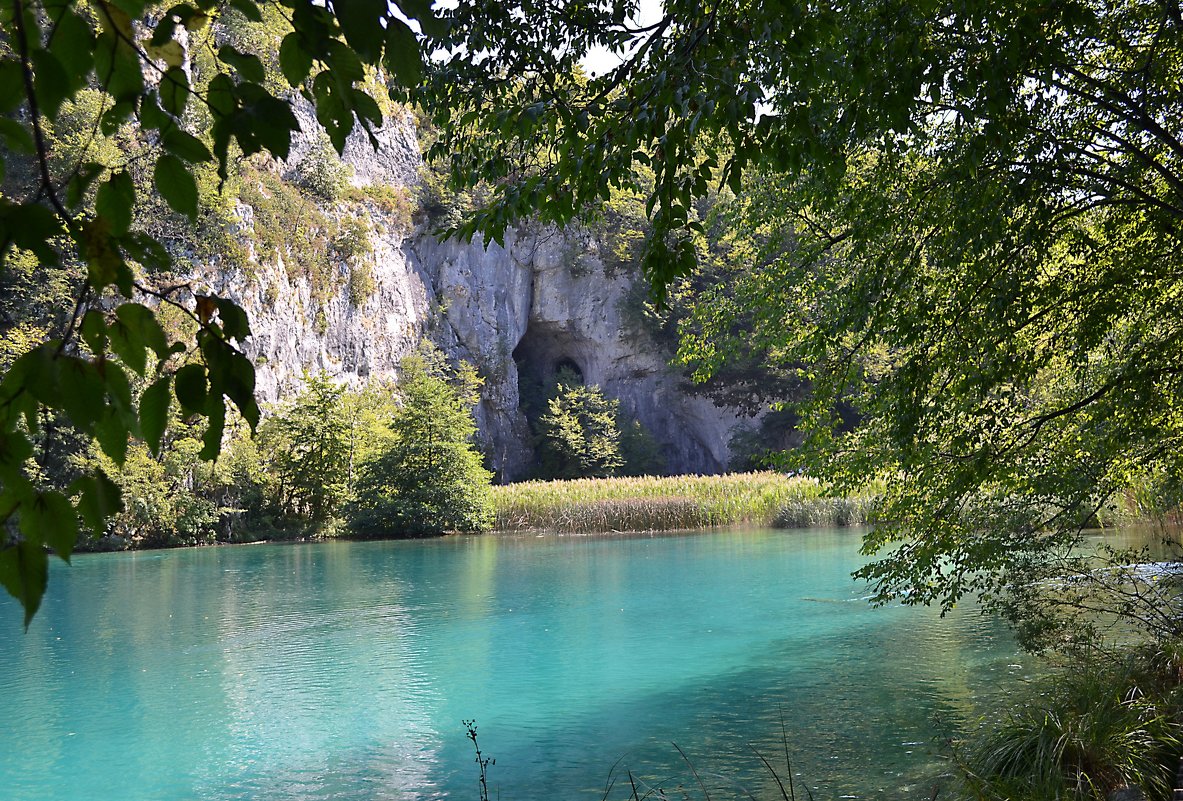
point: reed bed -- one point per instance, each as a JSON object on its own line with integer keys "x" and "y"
{"x": 671, "y": 503}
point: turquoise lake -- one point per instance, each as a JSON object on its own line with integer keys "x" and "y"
{"x": 343, "y": 671}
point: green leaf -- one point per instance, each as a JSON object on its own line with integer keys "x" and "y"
{"x": 73, "y": 43}
{"x": 344, "y": 64}
{"x": 115, "y": 200}
{"x": 112, "y": 436}
{"x": 15, "y": 448}
{"x": 367, "y": 110}
{"x": 165, "y": 30}
{"x": 129, "y": 345}
{"x": 12, "y": 85}
{"x": 133, "y": 8}
{"x": 248, "y": 8}
{"x": 170, "y": 52}
{"x": 94, "y": 331}
{"x": 216, "y": 422}
{"x": 174, "y": 91}
{"x": 82, "y": 389}
{"x": 420, "y": 11}
{"x": 186, "y": 145}
{"x": 234, "y": 320}
{"x": 119, "y": 394}
{"x": 143, "y": 321}
{"x": 152, "y": 115}
{"x": 30, "y": 226}
{"x": 24, "y": 572}
{"x": 99, "y": 498}
{"x": 117, "y": 68}
{"x": 17, "y": 401}
{"x": 402, "y": 57}
{"x": 116, "y": 116}
{"x": 147, "y": 251}
{"x": 231, "y": 374}
{"x": 104, "y": 264}
{"x": 266, "y": 122}
{"x": 361, "y": 22}
{"x": 36, "y": 372}
{"x": 49, "y": 518}
{"x": 81, "y": 181}
{"x": 191, "y": 388}
{"x": 134, "y": 329}
{"x": 154, "y": 403}
{"x": 50, "y": 81}
{"x": 331, "y": 111}
{"x": 176, "y": 185}
{"x": 294, "y": 60}
{"x": 240, "y": 387}
{"x": 16, "y": 136}
{"x": 248, "y": 65}
{"x": 220, "y": 95}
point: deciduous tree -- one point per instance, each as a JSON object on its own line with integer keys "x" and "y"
{"x": 430, "y": 478}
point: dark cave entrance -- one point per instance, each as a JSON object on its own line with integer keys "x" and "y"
{"x": 568, "y": 364}
{"x": 542, "y": 353}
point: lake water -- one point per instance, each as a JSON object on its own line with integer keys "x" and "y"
{"x": 343, "y": 671}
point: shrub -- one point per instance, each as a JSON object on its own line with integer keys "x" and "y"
{"x": 323, "y": 173}
{"x": 392, "y": 201}
{"x": 361, "y": 283}
{"x": 640, "y": 452}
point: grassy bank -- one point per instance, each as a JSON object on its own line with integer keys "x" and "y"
{"x": 671, "y": 503}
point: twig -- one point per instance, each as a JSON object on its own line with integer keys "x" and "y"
{"x": 706, "y": 795}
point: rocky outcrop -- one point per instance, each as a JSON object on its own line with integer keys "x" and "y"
{"x": 541, "y": 301}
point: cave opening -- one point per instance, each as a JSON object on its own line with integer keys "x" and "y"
{"x": 569, "y": 365}
{"x": 545, "y": 351}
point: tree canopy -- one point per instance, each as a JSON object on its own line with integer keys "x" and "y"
{"x": 429, "y": 479}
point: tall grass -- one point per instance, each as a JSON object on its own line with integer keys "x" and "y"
{"x": 1095, "y": 729}
{"x": 671, "y": 503}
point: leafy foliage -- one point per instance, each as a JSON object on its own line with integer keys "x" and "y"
{"x": 959, "y": 225}
{"x": 1098, "y": 729}
{"x": 307, "y": 453}
{"x": 166, "y": 498}
{"x": 578, "y": 433}
{"x": 640, "y": 453}
{"x": 990, "y": 283}
{"x": 430, "y": 479}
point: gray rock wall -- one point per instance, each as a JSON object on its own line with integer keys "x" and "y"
{"x": 544, "y": 298}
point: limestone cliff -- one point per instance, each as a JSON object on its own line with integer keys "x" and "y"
{"x": 542, "y": 300}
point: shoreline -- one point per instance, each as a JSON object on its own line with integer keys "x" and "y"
{"x": 605, "y": 534}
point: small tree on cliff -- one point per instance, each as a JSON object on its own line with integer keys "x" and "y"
{"x": 431, "y": 479}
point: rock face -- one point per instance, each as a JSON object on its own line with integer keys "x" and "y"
{"x": 542, "y": 301}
